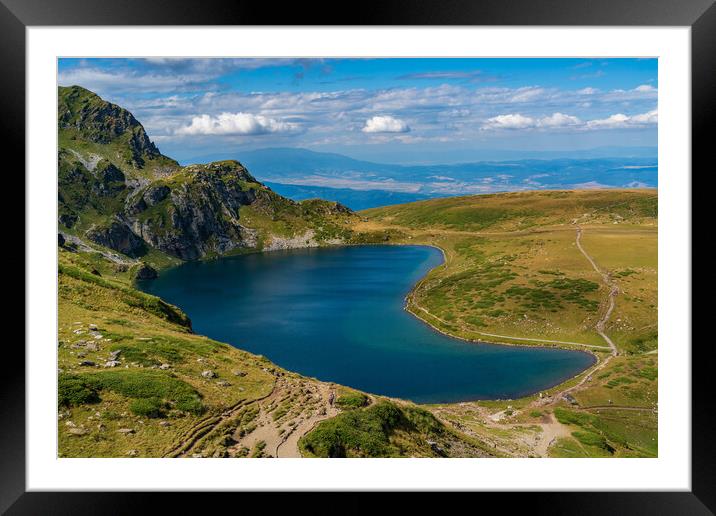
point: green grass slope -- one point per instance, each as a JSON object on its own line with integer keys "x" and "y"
{"x": 513, "y": 274}
{"x": 135, "y": 381}
{"x": 513, "y": 268}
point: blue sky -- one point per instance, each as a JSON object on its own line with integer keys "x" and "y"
{"x": 399, "y": 110}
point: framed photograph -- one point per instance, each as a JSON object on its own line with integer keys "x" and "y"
{"x": 422, "y": 248}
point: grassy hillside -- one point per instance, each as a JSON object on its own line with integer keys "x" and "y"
{"x": 135, "y": 381}
{"x": 513, "y": 267}
{"x": 513, "y": 274}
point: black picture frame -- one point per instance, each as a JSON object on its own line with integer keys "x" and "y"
{"x": 17, "y": 15}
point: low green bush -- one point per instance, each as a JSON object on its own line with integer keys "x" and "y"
{"x": 148, "y": 407}
{"x": 138, "y": 385}
{"x": 352, "y": 401}
{"x": 367, "y": 432}
{"x": 76, "y": 390}
{"x": 571, "y": 417}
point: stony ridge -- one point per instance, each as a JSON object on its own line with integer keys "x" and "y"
{"x": 144, "y": 200}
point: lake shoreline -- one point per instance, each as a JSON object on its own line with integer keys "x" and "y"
{"x": 490, "y": 389}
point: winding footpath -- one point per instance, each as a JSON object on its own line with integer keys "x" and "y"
{"x": 601, "y": 323}
{"x": 613, "y": 291}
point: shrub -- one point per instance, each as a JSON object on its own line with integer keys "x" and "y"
{"x": 570, "y": 417}
{"x": 592, "y": 439}
{"x": 352, "y": 401}
{"x": 649, "y": 373}
{"x": 75, "y": 390}
{"x": 137, "y": 385}
{"x": 367, "y": 432}
{"x": 147, "y": 407}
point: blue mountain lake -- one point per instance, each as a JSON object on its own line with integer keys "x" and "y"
{"x": 337, "y": 314}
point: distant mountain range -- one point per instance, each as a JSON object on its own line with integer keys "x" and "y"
{"x": 302, "y": 174}
{"x": 355, "y": 199}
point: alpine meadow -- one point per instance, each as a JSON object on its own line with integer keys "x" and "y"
{"x": 347, "y": 258}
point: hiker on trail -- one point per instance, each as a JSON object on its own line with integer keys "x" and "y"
{"x": 331, "y": 397}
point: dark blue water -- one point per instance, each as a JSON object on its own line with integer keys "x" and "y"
{"x": 337, "y": 314}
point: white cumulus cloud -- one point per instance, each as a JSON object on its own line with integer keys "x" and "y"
{"x": 385, "y": 124}
{"x": 518, "y": 121}
{"x": 510, "y": 121}
{"x": 558, "y": 120}
{"x": 561, "y": 120}
{"x": 650, "y": 117}
{"x": 621, "y": 120}
{"x": 236, "y": 123}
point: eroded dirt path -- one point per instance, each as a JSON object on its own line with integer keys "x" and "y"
{"x": 551, "y": 431}
{"x": 613, "y": 291}
{"x": 523, "y": 439}
{"x": 291, "y": 411}
{"x": 601, "y": 323}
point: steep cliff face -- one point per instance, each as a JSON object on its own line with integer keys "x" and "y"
{"x": 116, "y": 235}
{"x": 117, "y": 190}
{"x": 194, "y": 213}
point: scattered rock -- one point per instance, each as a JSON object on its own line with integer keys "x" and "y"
{"x": 208, "y": 374}
{"x": 223, "y": 383}
{"x": 125, "y": 431}
{"x": 570, "y": 399}
{"x": 164, "y": 423}
{"x": 114, "y": 354}
{"x": 92, "y": 327}
{"x": 133, "y": 453}
{"x": 112, "y": 363}
{"x": 239, "y": 373}
{"x": 77, "y": 431}
{"x": 87, "y": 363}
{"x": 165, "y": 366}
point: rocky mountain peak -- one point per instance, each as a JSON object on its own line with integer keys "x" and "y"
{"x": 88, "y": 117}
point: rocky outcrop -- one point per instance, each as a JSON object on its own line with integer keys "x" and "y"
{"x": 199, "y": 216}
{"x": 68, "y": 219}
{"x": 109, "y": 179}
{"x": 145, "y": 272}
{"x": 306, "y": 239}
{"x": 146, "y": 198}
{"x": 102, "y": 122}
{"x": 119, "y": 237}
{"x": 117, "y": 190}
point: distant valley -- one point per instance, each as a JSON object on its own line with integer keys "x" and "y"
{"x": 303, "y": 174}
